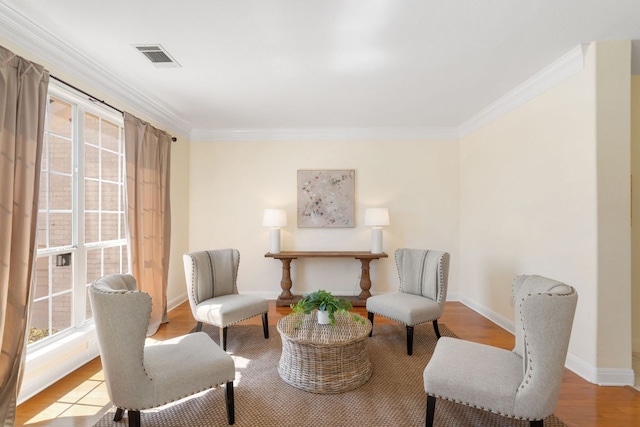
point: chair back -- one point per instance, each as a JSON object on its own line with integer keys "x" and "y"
{"x": 423, "y": 272}
{"x": 544, "y": 311}
{"x": 121, "y": 315}
{"x": 211, "y": 274}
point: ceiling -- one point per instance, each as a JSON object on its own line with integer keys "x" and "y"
{"x": 251, "y": 66}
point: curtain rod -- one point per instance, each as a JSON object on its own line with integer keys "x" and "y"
{"x": 173, "y": 138}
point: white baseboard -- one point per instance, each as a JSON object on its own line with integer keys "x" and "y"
{"x": 496, "y": 318}
{"x": 600, "y": 376}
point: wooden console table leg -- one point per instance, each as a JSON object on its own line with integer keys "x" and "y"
{"x": 286, "y": 283}
{"x": 365, "y": 279}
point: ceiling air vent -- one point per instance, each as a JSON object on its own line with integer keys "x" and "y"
{"x": 157, "y": 55}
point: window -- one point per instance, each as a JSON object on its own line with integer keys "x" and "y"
{"x": 81, "y": 217}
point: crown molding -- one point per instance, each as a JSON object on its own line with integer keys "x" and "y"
{"x": 313, "y": 134}
{"x": 563, "y": 68}
{"x": 23, "y": 32}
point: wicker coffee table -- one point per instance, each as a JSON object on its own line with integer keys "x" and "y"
{"x": 324, "y": 358}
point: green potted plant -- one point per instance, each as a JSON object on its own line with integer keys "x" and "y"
{"x": 326, "y": 304}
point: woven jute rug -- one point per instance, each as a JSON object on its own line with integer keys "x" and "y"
{"x": 393, "y": 396}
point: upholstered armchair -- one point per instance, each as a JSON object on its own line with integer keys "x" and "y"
{"x": 213, "y": 292}
{"x": 523, "y": 383}
{"x": 422, "y": 295}
{"x": 140, "y": 376}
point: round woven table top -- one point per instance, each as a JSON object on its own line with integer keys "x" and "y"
{"x": 304, "y": 328}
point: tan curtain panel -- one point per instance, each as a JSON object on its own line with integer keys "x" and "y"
{"x": 148, "y": 154}
{"x": 23, "y": 96}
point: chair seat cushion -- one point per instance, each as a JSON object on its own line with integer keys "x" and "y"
{"x": 474, "y": 374}
{"x": 229, "y": 309}
{"x": 201, "y": 362}
{"x": 409, "y": 309}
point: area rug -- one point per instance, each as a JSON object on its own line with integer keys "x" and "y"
{"x": 394, "y": 396}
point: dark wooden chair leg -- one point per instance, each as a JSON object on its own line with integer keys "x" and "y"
{"x": 198, "y": 327}
{"x": 265, "y": 324}
{"x": 536, "y": 423}
{"x": 118, "y": 415}
{"x": 134, "y": 418}
{"x": 409, "y": 340}
{"x": 370, "y": 316}
{"x": 231, "y": 412}
{"x": 435, "y": 328}
{"x": 431, "y": 410}
{"x": 223, "y": 338}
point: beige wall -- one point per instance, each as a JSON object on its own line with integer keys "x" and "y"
{"x": 530, "y": 188}
{"x": 635, "y": 230}
{"x": 613, "y": 75}
{"x": 232, "y": 182}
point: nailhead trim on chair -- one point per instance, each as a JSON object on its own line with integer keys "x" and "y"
{"x": 484, "y": 409}
{"x": 528, "y": 375}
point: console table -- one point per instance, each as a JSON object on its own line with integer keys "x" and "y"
{"x": 286, "y": 297}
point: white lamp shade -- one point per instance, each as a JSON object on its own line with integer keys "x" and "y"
{"x": 274, "y": 218}
{"x": 376, "y": 217}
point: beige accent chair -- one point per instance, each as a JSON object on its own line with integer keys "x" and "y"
{"x": 213, "y": 292}
{"x": 423, "y": 291}
{"x": 523, "y": 383}
{"x": 140, "y": 376}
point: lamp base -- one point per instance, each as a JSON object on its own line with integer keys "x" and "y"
{"x": 376, "y": 240}
{"x": 274, "y": 240}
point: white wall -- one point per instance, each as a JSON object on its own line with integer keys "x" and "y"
{"x": 232, "y": 182}
{"x": 529, "y": 205}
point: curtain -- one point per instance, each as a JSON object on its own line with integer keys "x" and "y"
{"x": 23, "y": 95}
{"x": 147, "y": 156}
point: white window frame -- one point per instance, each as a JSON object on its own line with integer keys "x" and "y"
{"x": 53, "y": 357}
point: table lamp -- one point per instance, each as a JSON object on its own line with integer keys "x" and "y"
{"x": 376, "y": 218}
{"x": 274, "y": 218}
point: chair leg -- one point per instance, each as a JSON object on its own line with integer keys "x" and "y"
{"x": 370, "y": 315}
{"x": 409, "y": 340}
{"x": 231, "y": 412}
{"x": 536, "y": 423}
{"x": 134, "y": 418}
{"x": 265, "y": 324}
{"x": 435, "y": 328}
{"x": 431, "y": 410}
{"x": 118, "y": 415}
{"x": 198, "y": 327}
{"x": 223, "y": 338}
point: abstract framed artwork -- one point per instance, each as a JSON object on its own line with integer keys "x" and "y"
{"x": 326, "y": 198}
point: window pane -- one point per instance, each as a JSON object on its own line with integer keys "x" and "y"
{"x": 94, "y": 264}
{"x": 110, "y": 196}
{"x": 110, "y": 133}
{"x": 110, "y": 169}
{"x": 60, "y": 120}
{"x": 60, "y": 232}
{"x": 91, "y": 223}
{"x": 109, "y": 226}
{"x": 62, "y": 276}
{"x": 60, "y": 156}
{"x": 91, "y": 129}
{"x": 112, "y": 260}
{"x": 91, "y": 195}
{"x": 123, "y": 227}
{"x": 60, "y": 192}
{"x": 39, "y": 327}
{"x": 61, "y": 312}
{"x": 91, "y": 159}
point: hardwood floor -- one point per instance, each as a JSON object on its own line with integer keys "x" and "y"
{"x": 80, "y": 399}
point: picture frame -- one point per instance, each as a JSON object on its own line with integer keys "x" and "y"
{"x": 326, "y": 198}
